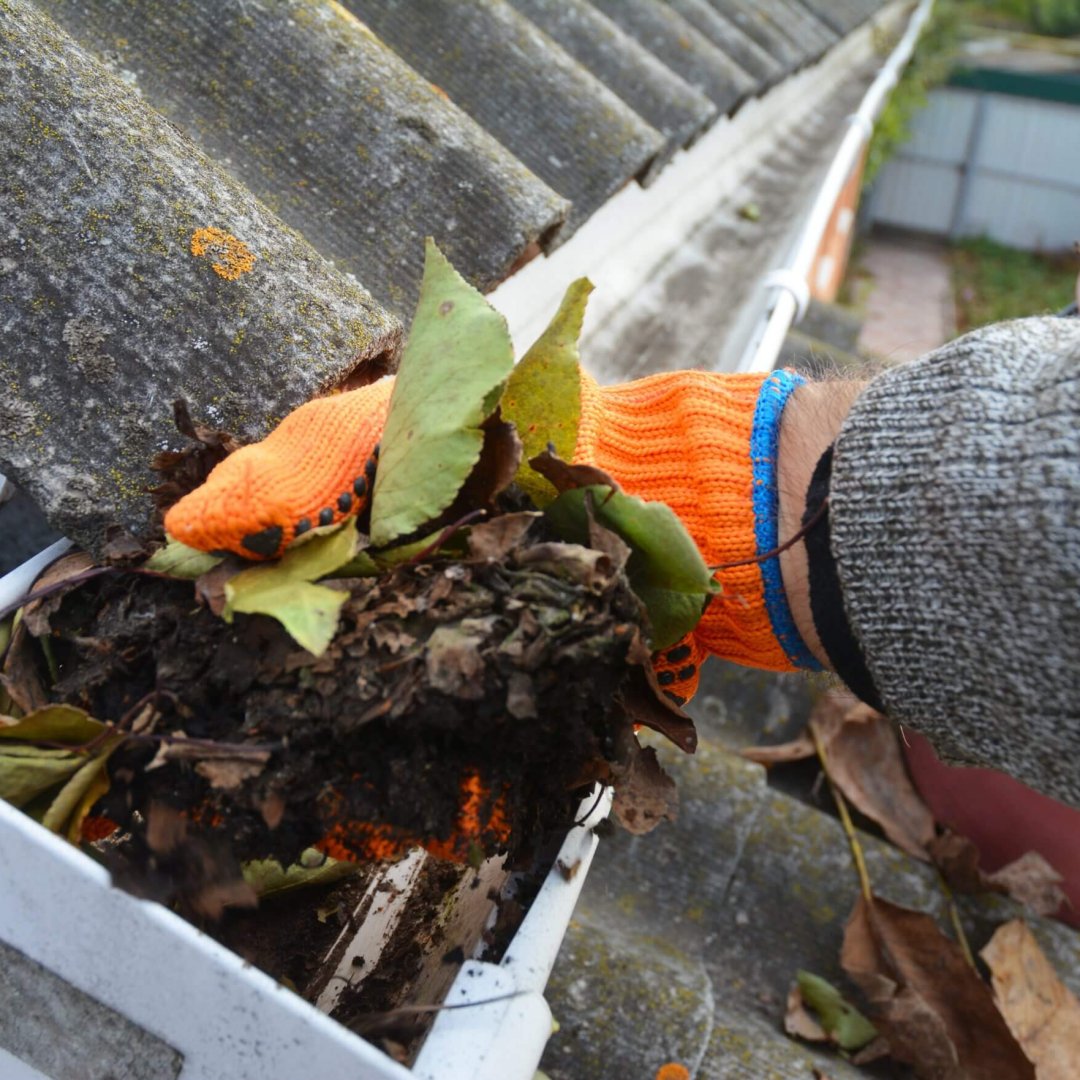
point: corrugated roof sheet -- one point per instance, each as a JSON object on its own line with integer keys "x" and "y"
{"x": 136, "y": 271}
{"x": 753, "y": 21}
{"x": 648, "y": 86}
{"x": 497, "y": 128}
{"x": 727, "y": 36}
{"x": 665, "y": 33}
{"x": 331, "y": 129}
{"x": 563, "y": 123}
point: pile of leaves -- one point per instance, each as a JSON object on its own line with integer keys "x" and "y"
{"x": 930, "y": 1006}
{"x": 454, "y": 670}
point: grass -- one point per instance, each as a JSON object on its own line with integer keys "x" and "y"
{"x": 992, "y": 282}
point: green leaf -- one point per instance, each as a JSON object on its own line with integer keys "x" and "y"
{"x": 543, "y": 394}
{"x": 283, "y": 589}
{"x": 71, "y": 796}
{"x": 180, "y": 561}
{"x": 267, "y": 876}
{"x": 450, "y": 378}
{"x": 843, "y": 1023}
{"x": 27, "y": 771}
{"x": 665, "y": 568}
{"x": 54, "y": 723}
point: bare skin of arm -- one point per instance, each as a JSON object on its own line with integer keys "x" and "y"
{"x": 811, "y": 421}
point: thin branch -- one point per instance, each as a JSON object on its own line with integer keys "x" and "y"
{"x": 954, "y": 918}
{"x": 819, "y": 513}
{"x": 845, "y": 819}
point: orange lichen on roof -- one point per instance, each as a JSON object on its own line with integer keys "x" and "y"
{"x": 673, "y": 1071}
{"x": 234, "y": 257}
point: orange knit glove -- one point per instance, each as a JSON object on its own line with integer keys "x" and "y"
{"x": 703, "y": 443}
{"x": 315, "y": 468}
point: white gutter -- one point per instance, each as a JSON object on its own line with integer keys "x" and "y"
{"x": 792, "y": 280}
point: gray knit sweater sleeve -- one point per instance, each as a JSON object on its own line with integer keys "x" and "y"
{"x": 955, "y": 511}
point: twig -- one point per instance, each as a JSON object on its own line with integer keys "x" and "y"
{"x": 445, "y": 535}
{"x": 954, "y": 918}
{"x": 845, "y": 819}
{"x": 55, "y": 587}
{"x": 819, "y": 513}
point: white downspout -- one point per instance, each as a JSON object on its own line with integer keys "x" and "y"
{"x": 792, "y": 279}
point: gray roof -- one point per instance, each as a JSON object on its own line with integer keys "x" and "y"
{"x": 513, "y": 80}
{"x": 325, "y": 141}
{"x": 332, "y": 131}
{"x": 684, "y": 942}
{"x": 665, "y": 33}
{"x": 648, "y": 86}
{"x": 110, "y": 312}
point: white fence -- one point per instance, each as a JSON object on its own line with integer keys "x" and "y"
{"x": 987, "y": 164}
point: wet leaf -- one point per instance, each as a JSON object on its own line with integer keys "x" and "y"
{"x": 494, "y": 540}
{"x": 453, "y": 662}
{"x": 644, "y": 794}
{"x": 543, "y": 394}
{"x": 268, "y": 877}
{"x": 180, "y": 561}
{"x": 841, "y": 1021}
{"x": 36, "y": 613}
{"x": 72, "y": 803}
{"x": 20, "y": 678}
{"x": 665, "y": 568}
{"x": 284, "y": 589}
{"x": 1041, "y": 1012}
{"x": 566, "y": 477}
{"x": 929, "y": 1004}
{"x": 451, "y": 376}
{"x": 646, "y": 704}
{"x": 53, "y": 723}
{"x": 29, "y": 771}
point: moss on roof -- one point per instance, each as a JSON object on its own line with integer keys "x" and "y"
{"x": 135, "y": 271}
{"x": 332, "y": 130}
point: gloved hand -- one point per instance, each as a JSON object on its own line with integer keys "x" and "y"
{"x": 703, "y": 443}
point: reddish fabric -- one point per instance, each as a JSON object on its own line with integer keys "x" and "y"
{"x": 1004, "y": 818}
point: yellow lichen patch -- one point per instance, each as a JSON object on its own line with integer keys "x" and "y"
{"x": 673, "y": 1071}
{"x": 233, "y": 257}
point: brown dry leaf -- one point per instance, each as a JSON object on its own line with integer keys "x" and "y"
{"x": 210, "y": 587}
{"x": 20, "y": 673}
{"x": 797, "y": 749}
{"x": 607, "y": 540}
{"x": 572, "y": 562}
{"x": 933, "y": 1009}
{"x": 1030, "y": 880}
{"x": 867, "y": 765}
{"x": 1041, "y": 1012}
{"x": 1033, "y": 882}
{"x": 827, "y": 717}
{"x": 495, "y": 539}
{"x": 644, "y": 794}
{"x": 797, "y": 1019}
{"x": 957, "y": 860}
{"x": 566, "y": 477}
{"x": 121, "y": 548}
{"x": 454, "y": 664}
{"x": 36, "y": 614}
{"x": 646, "y": 704}
{"x": 230, "y": 773}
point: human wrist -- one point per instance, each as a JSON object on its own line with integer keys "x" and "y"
{"x": 810, "y": 423}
